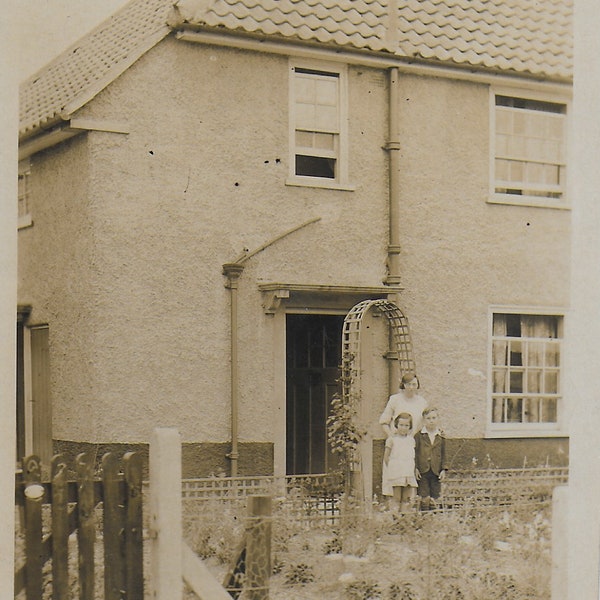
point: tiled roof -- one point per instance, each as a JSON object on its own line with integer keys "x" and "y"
{"x": 528, "y": 37}
{"x": 85, "y": 68}
{"x": 523, "y": 36}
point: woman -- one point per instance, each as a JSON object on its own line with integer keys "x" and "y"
{"x": 406, "y": 400}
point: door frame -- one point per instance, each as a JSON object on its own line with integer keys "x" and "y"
{"x": 280, "y": 379}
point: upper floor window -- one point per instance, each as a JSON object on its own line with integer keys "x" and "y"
{"x": 24, "y": 194}
{"x": 318, "y": 126}
{"x": 525, "y": 373}
{"x": 529, "y": 151}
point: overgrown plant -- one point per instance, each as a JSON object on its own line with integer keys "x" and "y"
{"x": 299, "y": 574}
{"x": 363, "y": 590}
{"x": 344, "y": 433}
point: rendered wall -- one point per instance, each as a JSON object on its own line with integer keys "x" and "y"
{"x": 136, "y": 300}
{"x": 460, "y": 254}
{"x": 201, "y": 176}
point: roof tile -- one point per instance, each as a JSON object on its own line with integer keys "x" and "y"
{"x": 532, "y": 37}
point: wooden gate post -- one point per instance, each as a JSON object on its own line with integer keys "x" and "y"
{"x": 258, "y": 548}
{"x": 165, "y": 514}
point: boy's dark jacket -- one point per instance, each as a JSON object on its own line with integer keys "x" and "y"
{"x": 428, "y": 456}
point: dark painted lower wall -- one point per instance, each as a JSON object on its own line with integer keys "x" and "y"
{"x": 197, "y": 460}
{"x": 204, "y": 460}
{"x": 468, "y": 453}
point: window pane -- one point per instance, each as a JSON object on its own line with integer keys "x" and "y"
{"x": 499, "y": 352}
{"x": 502, "y": 169}
{"x": 499, "y": 380}
{"x": 497, "y": 410}
{"x": 551, "y": 382}
{"x": 549, "y": 412}
{"x": 517, "y": 170}
{"x": 315, "y": 166}
{"x": 532, "y": 410}
{"x": 324, "y": 141}
{"x": 305, "y": 89}
{"x": 516, "y": 356}
{"x": 534, "y": 380}
{"x": 503, "y": 121}
{"x": 514, "y": 410}
{"x": 305, "y": 116}
{"x": 552, "y": 354}
{"x": 516, "y": 381}
{"x": 535, "y": 354}
{"x": 304, "y": 139}
{"x": 326, "y": 91}
{"x": 519, "y": 123}
{"x": 326, "y": 118}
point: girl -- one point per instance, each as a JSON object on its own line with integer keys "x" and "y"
{"x": 399, "y": 463}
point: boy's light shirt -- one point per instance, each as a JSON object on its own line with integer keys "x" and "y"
{"x": 432, "y": 434}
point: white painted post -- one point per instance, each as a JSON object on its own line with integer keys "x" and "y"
{"x": 560, "y": 536}
{"x": 9, "y": 100}
{"x": 165, "y": 514}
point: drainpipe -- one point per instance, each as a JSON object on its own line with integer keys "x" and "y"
{"x": 393, "y": 249}
{"x": 233, "y": 271}
{"x": 393, "y": 148}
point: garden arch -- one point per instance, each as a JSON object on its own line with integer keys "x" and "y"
{"x": 400, "y": 348}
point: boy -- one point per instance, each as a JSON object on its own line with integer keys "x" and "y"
{"x": 430, "y": 459}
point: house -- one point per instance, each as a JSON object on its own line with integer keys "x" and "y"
{"x": 208, "y": 189}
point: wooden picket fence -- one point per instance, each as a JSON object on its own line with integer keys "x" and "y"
{"x": 51, "y": 511}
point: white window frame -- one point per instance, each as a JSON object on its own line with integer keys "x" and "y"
{"x": 527, "y": 430}
{"x": 24, "y": 194}
{"x": 495, "y": 197}
{"x": 340, "y": 181}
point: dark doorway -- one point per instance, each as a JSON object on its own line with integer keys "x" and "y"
{"x": 312, "y": 372}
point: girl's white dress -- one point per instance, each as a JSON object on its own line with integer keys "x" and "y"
{"x": 400, "y": 470}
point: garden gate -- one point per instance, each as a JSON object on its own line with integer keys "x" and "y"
{"x": 51, "y": 511}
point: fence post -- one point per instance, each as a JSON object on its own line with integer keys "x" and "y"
{"x": 134, "y": 559}
{"x": 165, "y": 514}
{"x": 60, "y": 528}
{"x": 34, "y": 493}
{"x": 258, "y": 548}
{"x": 113, "y": 528}
{"x": 86, "y": 532}
{"x": 560, "y": 536}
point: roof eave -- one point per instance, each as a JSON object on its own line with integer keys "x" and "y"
{"x": 280, "y": 44}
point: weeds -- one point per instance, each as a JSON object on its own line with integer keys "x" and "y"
{"x": 299, "y": 574}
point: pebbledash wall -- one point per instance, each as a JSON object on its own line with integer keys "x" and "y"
{"x": 136, "y": 227}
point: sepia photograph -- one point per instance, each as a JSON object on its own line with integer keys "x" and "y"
{"x": 300, "y": 300}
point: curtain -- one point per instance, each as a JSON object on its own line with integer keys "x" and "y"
{"x": 500, "y": 366}
{"x": 540, "y": 354}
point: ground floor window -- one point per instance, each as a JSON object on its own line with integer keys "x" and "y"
{"x": 525, "y": 371}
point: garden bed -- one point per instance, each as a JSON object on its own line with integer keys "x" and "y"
{"x": 469, "y": 554}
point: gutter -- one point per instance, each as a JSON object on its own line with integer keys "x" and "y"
{"x": 71, "y": 128}
{"x": 560, "y": 87}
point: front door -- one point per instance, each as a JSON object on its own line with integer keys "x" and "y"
{"x": 313, "y": 358}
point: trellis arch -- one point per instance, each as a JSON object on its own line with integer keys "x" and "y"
{"x": 401, "y": 339}
{"x": 362, "y": 457}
